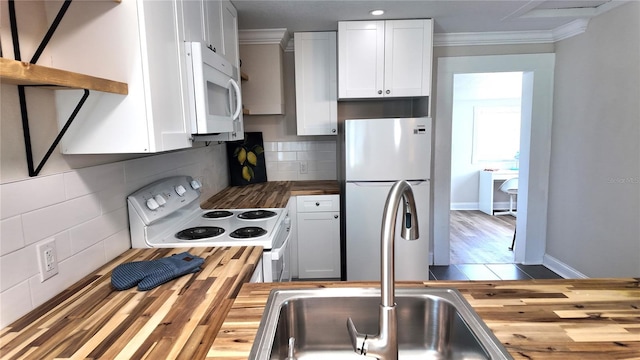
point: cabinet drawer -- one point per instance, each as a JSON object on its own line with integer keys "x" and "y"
{"x": 314, "y": 203}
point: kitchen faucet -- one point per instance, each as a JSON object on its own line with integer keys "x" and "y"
{"x": 384, "y": 345}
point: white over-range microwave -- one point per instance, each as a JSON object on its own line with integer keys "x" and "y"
{"x": 215, "y": 100}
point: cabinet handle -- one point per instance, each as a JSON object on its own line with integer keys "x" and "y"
{"x": 379, "y": 91}
{"x": 317, "y": 204}
{"x": 333, "y": 130}
{"x": 335, "y": 216}
{"x": 388, "y": 91}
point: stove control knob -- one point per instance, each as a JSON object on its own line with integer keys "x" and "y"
{"x": 180, "y": 190}
{"x": 152, "y": 204}
{"x": 195, "y": 184}
{"x": 160, "y": 199}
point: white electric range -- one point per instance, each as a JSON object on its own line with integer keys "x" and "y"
{"x": 167, "y": 213}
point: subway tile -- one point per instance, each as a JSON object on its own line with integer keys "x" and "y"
{"x": 97, "y": 229}
{"x": 289, "y": 166}
{"x": 283, "y": 176}
{"x": 16, "y": 301}
{"x": 54, "y": 219}
{"x": 286, "y": 156}
{"x": 117, "y": 244}
{"x": 326, "y": 165}
{"x": 270, "y": 146}
{"x": 18, "y": 266}
{"x": 316, "y": 155}
{"x": 326, "y": 146}
{"x": 270, "y": 157}
{"x": 93, "y": 179}
{"x": 112, "y": 198}
{"x": 63, "y": 245}
{"x": 11, "y": 235}
{"x": 32, "y": 194}
{"x": 70, "y": 271}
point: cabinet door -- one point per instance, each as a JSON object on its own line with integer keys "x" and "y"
{"x": 316, "y": 88}
{"x": 213, "y": 25}
{"x": 408, "y": 55}
{"x": 361, "y": 59}
{"x": 229, "y": 18}
{"x": 193, "y": 20}
{"x": 318, "y": 245}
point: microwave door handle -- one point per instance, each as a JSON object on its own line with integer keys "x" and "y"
{"x": 235, "y": 86}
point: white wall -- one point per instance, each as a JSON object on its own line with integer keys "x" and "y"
{"x": 471, "y": 91}
{"x": 594, "y": 185}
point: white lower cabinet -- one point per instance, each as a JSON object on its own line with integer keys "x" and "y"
{"x": 318, "y": 223}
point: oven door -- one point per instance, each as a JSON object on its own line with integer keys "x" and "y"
{"x": 215, "y": 100}
{"x": 276, "y": 262}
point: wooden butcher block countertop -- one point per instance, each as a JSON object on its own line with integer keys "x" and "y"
{"x": 178, "y": 319}
{"x": 271, "y": 194}
{"x": 534, "y": 319}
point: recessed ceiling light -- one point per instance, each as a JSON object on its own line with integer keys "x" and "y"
{"x": 376, "y": 12}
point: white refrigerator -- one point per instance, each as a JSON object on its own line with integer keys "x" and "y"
{"x": 379, "y": 152}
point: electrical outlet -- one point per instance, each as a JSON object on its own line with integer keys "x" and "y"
{"x": 47, "y": 259}
{"x": 303, "y": 167}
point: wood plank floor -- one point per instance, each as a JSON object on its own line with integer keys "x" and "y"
{"x": 478, "y": 238}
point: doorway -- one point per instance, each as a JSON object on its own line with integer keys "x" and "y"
{"x": 537, "y": 85}
{"x": 485, "y": 136}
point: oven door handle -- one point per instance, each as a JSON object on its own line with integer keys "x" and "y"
{"x": 277, "y": 253}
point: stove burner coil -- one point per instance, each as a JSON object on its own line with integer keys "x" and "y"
{"x": 199, "y": 232}
{"x": 217, "y": 214}
{"x": 256, "y": 214}
{"x": 248, "y": 232}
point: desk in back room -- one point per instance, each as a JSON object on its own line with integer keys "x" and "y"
{"x": 487, "y": 186}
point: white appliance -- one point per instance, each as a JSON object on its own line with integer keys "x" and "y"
{"x": 379, "y": 152}
{"x": 167, "y": 213}
{"x": 215, "y": 99}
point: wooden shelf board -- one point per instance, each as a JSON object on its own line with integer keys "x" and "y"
{"x": 246, "y": 112}
{"x": 22, "y": 73}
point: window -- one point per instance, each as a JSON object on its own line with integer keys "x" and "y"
{"x": 496, "y": 133}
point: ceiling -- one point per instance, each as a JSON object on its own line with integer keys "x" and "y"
{"x": 450, "y": 16}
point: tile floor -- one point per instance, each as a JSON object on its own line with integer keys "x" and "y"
{"x": 491, "y": 272}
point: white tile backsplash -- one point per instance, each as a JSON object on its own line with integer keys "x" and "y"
{"x": 15, "y": 302}
{"x": 85, "y": 211}
{"x": 17, "y": 267}
{"x": 283, "y": 160}
{"x": 11, "y": 235}
{"x": 51, "y": 220}
{"x": 23, "y": 196}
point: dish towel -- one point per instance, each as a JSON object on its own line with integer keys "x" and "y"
{"x": 151, "y": 273}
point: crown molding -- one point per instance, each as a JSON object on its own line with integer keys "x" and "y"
{"x": 264, "y": 37}
{"x": 573, "y": 28}
{"x": 576, "y": 27}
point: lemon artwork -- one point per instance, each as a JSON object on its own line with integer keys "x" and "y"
{"x": 248, "y": 159}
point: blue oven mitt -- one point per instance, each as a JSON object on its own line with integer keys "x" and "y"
{"x": 149, "y": 274}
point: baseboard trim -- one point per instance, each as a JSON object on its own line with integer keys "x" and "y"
{"x": 465, "y": 206}
{"x": 497, "y": 206}
{"x": 561, "y": 268}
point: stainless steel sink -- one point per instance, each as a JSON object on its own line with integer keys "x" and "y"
{"x": 433, "y": 323}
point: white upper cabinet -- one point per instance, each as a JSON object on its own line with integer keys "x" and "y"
{"x": 384, "y": 58}
{"x": 316, "y": 83}
{"x": 221, "y": 29}
{"x": 146, "y": 51}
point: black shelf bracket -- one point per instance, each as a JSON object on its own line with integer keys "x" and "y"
{"x": 34, "y": 171}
